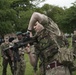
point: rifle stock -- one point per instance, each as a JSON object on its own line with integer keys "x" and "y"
{"x": 22, "y": 43}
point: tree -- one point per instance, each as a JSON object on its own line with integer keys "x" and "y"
{"x": 22, "y": 7}
{"x": 54, "y": 12}
{"x": 68, "y": 20}
{"x": 7, "y": 17}
{"x": 14, "y": 15}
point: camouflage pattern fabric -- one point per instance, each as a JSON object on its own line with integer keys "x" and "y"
{"x": 48, "y": 48}
{"x": 6, "y": 61}
{"x": 21, "y": 63}
{"x": 21, "y": 66}
{"x": 60, "y": 70}
{"x": 51, "y": 26}
{"x": 74, "y": 43}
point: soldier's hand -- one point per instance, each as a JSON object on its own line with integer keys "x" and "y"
{"x": 12, "y": 58}
{"x": 28, "y": 49}
{"x": 6, "y": 58}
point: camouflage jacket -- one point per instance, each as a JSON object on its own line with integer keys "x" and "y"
{"x": 7, "y": 53}
{"x": 46, "y": 48}
{"x": 22, "y": 49}
{"x": 74, "y": 41}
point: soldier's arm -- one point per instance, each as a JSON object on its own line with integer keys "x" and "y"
{"x": 36, "y": 17}
{"x": 3, "y": 53}
{"x": 32, "y": 56}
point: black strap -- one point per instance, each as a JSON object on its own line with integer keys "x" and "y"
{"x": 29, "y": 30}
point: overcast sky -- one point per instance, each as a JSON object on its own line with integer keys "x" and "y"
{"x": 60, "y": 3}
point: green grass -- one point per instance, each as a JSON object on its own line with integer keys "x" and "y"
{"x": 28, "y": 71}
{"x": 70, "y": 42}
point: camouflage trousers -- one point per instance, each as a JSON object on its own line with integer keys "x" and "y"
{"x": 74, "y": 51}
{"x": 21, "y": 66}
{"x": 59, "y": 70}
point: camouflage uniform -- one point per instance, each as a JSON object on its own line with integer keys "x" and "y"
{"x": 14, "y": 61}
{"x": 19, "y": 56}
{"x": 47, "y": 49}
{"x": 74, "y": 43}
{"x": 74, "y": 51}
{"x": 21, "y": 64}
{"x": 5, "y": 62}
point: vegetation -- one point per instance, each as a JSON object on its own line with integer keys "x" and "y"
{"x": 28, "y": 71}
{"x": 15, "y": 15}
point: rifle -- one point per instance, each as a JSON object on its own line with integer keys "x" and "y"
{"x": 23, "y": 43}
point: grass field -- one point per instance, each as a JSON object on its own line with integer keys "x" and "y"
{"x": 29, "y": 68}
{"x": 28, "y": 71}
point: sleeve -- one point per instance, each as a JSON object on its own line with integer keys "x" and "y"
{"x": 34, "y": 18}
{"x": 2, "y": 52}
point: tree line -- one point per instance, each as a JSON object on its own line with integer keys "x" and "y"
{"x": 15, "y": 15}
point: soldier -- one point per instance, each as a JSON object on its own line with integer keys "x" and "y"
{"x": 14, "y": 62}
{"x": 74, "y": 49}
{"x": 46, "y": 48}
{"x": 7, "y": 56}
{"x": 74, "y": 42}
{"x": 21, "y": 64}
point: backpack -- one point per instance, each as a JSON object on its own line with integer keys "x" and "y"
{"x": 65, "y": 56}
